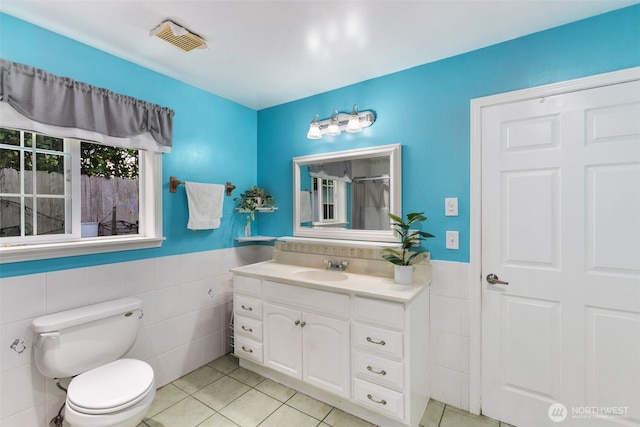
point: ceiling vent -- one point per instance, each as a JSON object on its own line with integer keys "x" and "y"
{"x": 178, "y": 36}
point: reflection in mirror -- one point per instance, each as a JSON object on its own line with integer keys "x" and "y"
{"x": 347, "y": 194}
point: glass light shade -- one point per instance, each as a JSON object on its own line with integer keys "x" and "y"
{"x": 334, "y": 125}
{"x": 354, "y": 121}
{"x": 314, "y": 129}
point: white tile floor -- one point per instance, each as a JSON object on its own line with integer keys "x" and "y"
{"x": 222, "y": 394}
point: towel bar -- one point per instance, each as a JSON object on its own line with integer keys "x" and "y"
{"x": 174, "y": 182}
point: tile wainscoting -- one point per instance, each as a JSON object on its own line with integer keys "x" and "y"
{"x": 187, "y": 304}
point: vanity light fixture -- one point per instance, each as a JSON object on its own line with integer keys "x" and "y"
{"x": 333, "y": 126}
{"x": 314, "y": 128}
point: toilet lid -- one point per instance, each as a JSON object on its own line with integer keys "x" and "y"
{"x": 111, "y": 387}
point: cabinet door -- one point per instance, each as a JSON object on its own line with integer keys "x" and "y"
{"x": 282, "y": 340}
{"x": 326, "y": 354}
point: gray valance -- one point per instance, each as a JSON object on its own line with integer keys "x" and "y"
{"x": 340, "y": 171}
{"x": 61, "y": 101}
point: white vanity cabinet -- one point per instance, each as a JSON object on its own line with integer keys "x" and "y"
{"x": 247, "y": 317}
{"x": 305, "y": 338}
{"x": 366, "y": 354}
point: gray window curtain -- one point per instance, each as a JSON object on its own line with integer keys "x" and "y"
{"x": 61, "y": 101}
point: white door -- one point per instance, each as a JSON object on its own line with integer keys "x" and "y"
{"x": 282, "y": 341}
{"x": 561, "y": 225}
{"x": 326, "y": 354}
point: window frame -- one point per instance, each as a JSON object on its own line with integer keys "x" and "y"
{"x": 149, "y": 233}
{"x": 338, "y": 196}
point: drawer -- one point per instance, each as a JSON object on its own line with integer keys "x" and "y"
{"x": 247, "y": 285}
{"x": 379, "y": 398}
{"x": 249, "y": 327}
{"x": 378, "y": 370}
{"x": 382, "y": 313}
{"x": 378, "y": 340}
{"x": 306, "y": 299}
{"x": 247, "y": 306}
{"x": 248, "y": 348}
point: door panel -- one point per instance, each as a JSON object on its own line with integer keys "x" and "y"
{"x": 282, "y": 340}
{"x": 561, "y": 225}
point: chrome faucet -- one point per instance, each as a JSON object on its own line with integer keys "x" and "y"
{"x": 338, "y": 266}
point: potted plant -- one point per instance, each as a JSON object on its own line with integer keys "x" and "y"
{"x": 254, "y": 198}
{"x": 404, "y": 258}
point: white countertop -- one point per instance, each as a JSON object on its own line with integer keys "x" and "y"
{"x": 354, "y": 284}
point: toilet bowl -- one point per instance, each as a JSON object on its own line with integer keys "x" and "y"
{"x": 86, "y": 343}
{"x": 114, "y": 395}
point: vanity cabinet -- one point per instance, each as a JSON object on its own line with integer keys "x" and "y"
{"x": 364, "y": 354}
{"x": 309, "y": 347}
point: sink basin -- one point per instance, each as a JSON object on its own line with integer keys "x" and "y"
{"x": 321, "y": 275}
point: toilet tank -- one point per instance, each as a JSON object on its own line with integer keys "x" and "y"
{"x": 70, "y": 342}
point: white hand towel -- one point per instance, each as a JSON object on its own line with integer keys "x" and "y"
{"x": 205, "y": 205}
{"x": 305, "y": 207}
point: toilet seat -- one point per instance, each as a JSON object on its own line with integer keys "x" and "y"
{"x": 110, "y": 388}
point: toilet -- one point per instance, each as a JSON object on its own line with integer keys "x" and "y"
{"x": 87, "y": 343}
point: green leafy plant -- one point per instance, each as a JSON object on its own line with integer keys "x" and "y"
{"x": 408, "y": 238}
{"x": 252, "y": 199}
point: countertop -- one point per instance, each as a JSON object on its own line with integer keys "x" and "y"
{"x": 354, "y": 284}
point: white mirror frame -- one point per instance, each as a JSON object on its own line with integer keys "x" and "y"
{"x": 393, "y": 152}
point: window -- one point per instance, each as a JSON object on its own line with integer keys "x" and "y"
{"x": 64, "y": 191}
{"x": 330, "y": 199}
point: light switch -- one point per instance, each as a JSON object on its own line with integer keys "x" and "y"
{"x": 452, "y": 240}
{"x": 451, "y": 206}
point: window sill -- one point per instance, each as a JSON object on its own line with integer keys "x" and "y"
{"x": 19, "y": 253}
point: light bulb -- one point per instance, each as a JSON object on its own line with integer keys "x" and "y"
{"x": 314, "y": 128}
{"x": 334, "y": 125}
{"x": 354, "y": 121}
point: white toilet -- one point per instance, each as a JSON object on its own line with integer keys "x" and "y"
{"x": 87, "y": 343}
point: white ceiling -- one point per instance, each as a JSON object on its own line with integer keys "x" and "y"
{"x": 264, "y": 53}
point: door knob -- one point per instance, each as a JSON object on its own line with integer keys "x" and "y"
{"x": 495, "y": 280}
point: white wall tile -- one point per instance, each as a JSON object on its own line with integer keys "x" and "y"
{"x": 194, "y": 295}
{"x": 447, "y": 385}
{"x": 21, "y": 389}
{"x": 34, "y": 416}
{"x": 167, "y": 303}
{"x": 106, "y": 282}
{"x": 20, "y": 354}
{"x": 139, "y": 276}
{"x": 192, "y": 267}
{"x": 449, "y": 351}
{"x": 214, "y": 345}
{"x": 212, "y": 318}
{"x": 67, "y": 289}
{"x": 450, "y": 279}
{"x": 23, "y": 297}
{"x": 168, "y": 271}
{"x": 446, "y": 314}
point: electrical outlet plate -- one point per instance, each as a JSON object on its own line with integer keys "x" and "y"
{"x": 452, "y": 240}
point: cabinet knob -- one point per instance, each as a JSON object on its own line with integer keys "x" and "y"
{"x": 303, "y": 324}
{"x": 297, "y": 322}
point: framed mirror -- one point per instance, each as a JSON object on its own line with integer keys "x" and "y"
{"x": 348, "y": 194}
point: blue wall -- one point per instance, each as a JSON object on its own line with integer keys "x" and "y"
{"x": 427, "y": 110}
{"x": 214, "y": 139}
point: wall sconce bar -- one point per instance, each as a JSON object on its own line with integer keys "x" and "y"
{"x": 338, "y": 122}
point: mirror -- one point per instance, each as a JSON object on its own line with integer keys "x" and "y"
{"x": 348, "y": 194}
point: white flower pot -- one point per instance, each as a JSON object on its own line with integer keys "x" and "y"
{"x": 403, "y": 274}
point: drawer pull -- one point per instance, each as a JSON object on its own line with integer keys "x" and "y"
{"x": 297, "y": 322}
{"x": 244, "y": 328}
{"x": 247, "y": 308}
{"x": 370, "y": 369}
{"x": 381, "y": 342}
{"x": 382, "y": 402}
{"x": 248, "y": 350}
{"x": 303, "y": 324}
